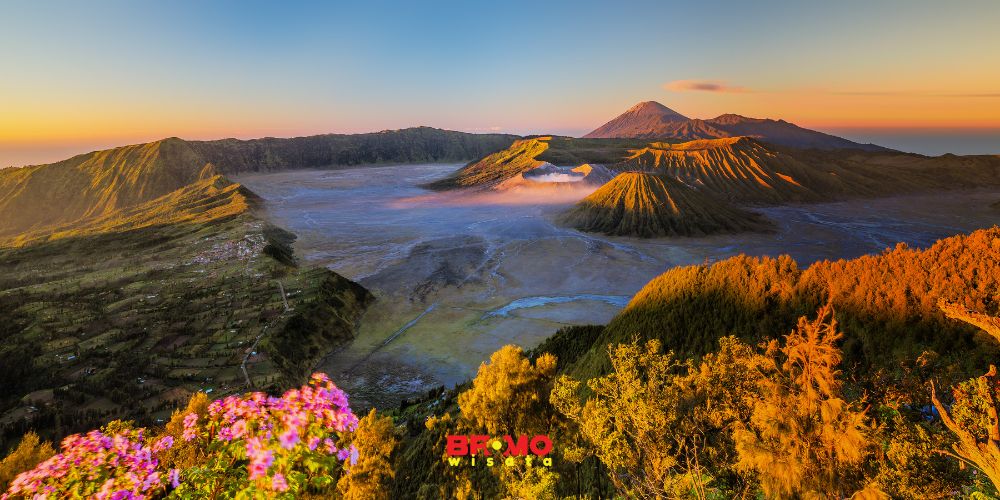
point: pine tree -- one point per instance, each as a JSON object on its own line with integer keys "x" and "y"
{"x": 803, "y": 439}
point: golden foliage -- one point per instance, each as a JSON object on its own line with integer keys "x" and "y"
{"x": 368, "y": 479}
{"x": 508, "y": 394}
{"x": 887, "y": 300}
{"x": 529, "y": 483}
{"x": 660, "y": 426}
{"x": 803, "y": 439}
{"x": 30, "y": 452}
{"x": 185, "y": 454}
{"x": 909, "y": 465}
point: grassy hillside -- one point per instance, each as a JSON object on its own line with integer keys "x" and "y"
{"x": 411, "y": 145}
{"x": 126, "y": 324}
{"x": 650, "y": 205}
{"x": 205, "y": 200}
{"x": 885, "y": 303}
{"x": 95, "y": 185}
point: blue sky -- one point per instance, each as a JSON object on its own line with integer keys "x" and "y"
{"x": 95, "y": 74}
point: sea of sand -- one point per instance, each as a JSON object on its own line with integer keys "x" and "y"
{"x": 458, "y": 275}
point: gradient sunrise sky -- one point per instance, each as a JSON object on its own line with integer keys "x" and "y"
{"x": 78, "y": 76}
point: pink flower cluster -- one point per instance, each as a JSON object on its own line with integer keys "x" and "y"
{"x": 274, "y": 431}
{"x": 123, "y": 466}
{"x": 286, "y": 440}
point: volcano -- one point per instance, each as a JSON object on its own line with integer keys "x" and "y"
{"x": 652, "y": 120}
{"x": 650, "y": 205}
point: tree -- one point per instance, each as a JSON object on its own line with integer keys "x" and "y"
{"x": 973, "y": 418}
{"x": 509, "y": 395}
{"x": 368, "y": 478}
{"x": 661, "y": 427}
{"x": 803, "y": 439}
{"x": 29, "y": 453}
{"x": 529, "y": 483}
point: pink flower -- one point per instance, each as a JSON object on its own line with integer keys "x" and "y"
{"x": 260, "y": 460}
{"x": 269, "y": 428}
{"x": 225, "y": 434}
{"x": 278, "y": 482}
{"x": 165, "y": 443}
{"x": 190, "y": 421}
{"x": 239, "y": 428}
{"x": 289, "y": 438}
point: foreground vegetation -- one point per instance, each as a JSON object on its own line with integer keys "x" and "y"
{"x": 886, "y": 400}
{"x": 776, "y": 421}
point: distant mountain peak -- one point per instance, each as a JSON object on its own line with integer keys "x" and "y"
{"x": 652, "y": 120}
{"x": 645, "y": 118}
{"x": 656, "y": 109}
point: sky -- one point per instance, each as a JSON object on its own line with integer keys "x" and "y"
{"x": 79, "y": 76}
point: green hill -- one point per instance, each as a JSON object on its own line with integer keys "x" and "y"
{"x": 95, "y": 185}
{"x": 410, "y": 145}
{"x": 128, "y": 323}
{"x": 650, "y": 205}
{"x": 886, "y": 305}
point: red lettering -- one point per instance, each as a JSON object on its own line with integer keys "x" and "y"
{"x": 477, "y": 443}
{"x": 520, "y": 448}
{"x": 541, "y": 445}
{"x": 458, "y": 446}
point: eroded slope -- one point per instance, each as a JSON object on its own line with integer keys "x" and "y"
{"x": 651, "y": 205}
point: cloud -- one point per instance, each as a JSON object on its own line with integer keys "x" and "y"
{"x": 725, "y": 88}
{"x": 703, "y": 86}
